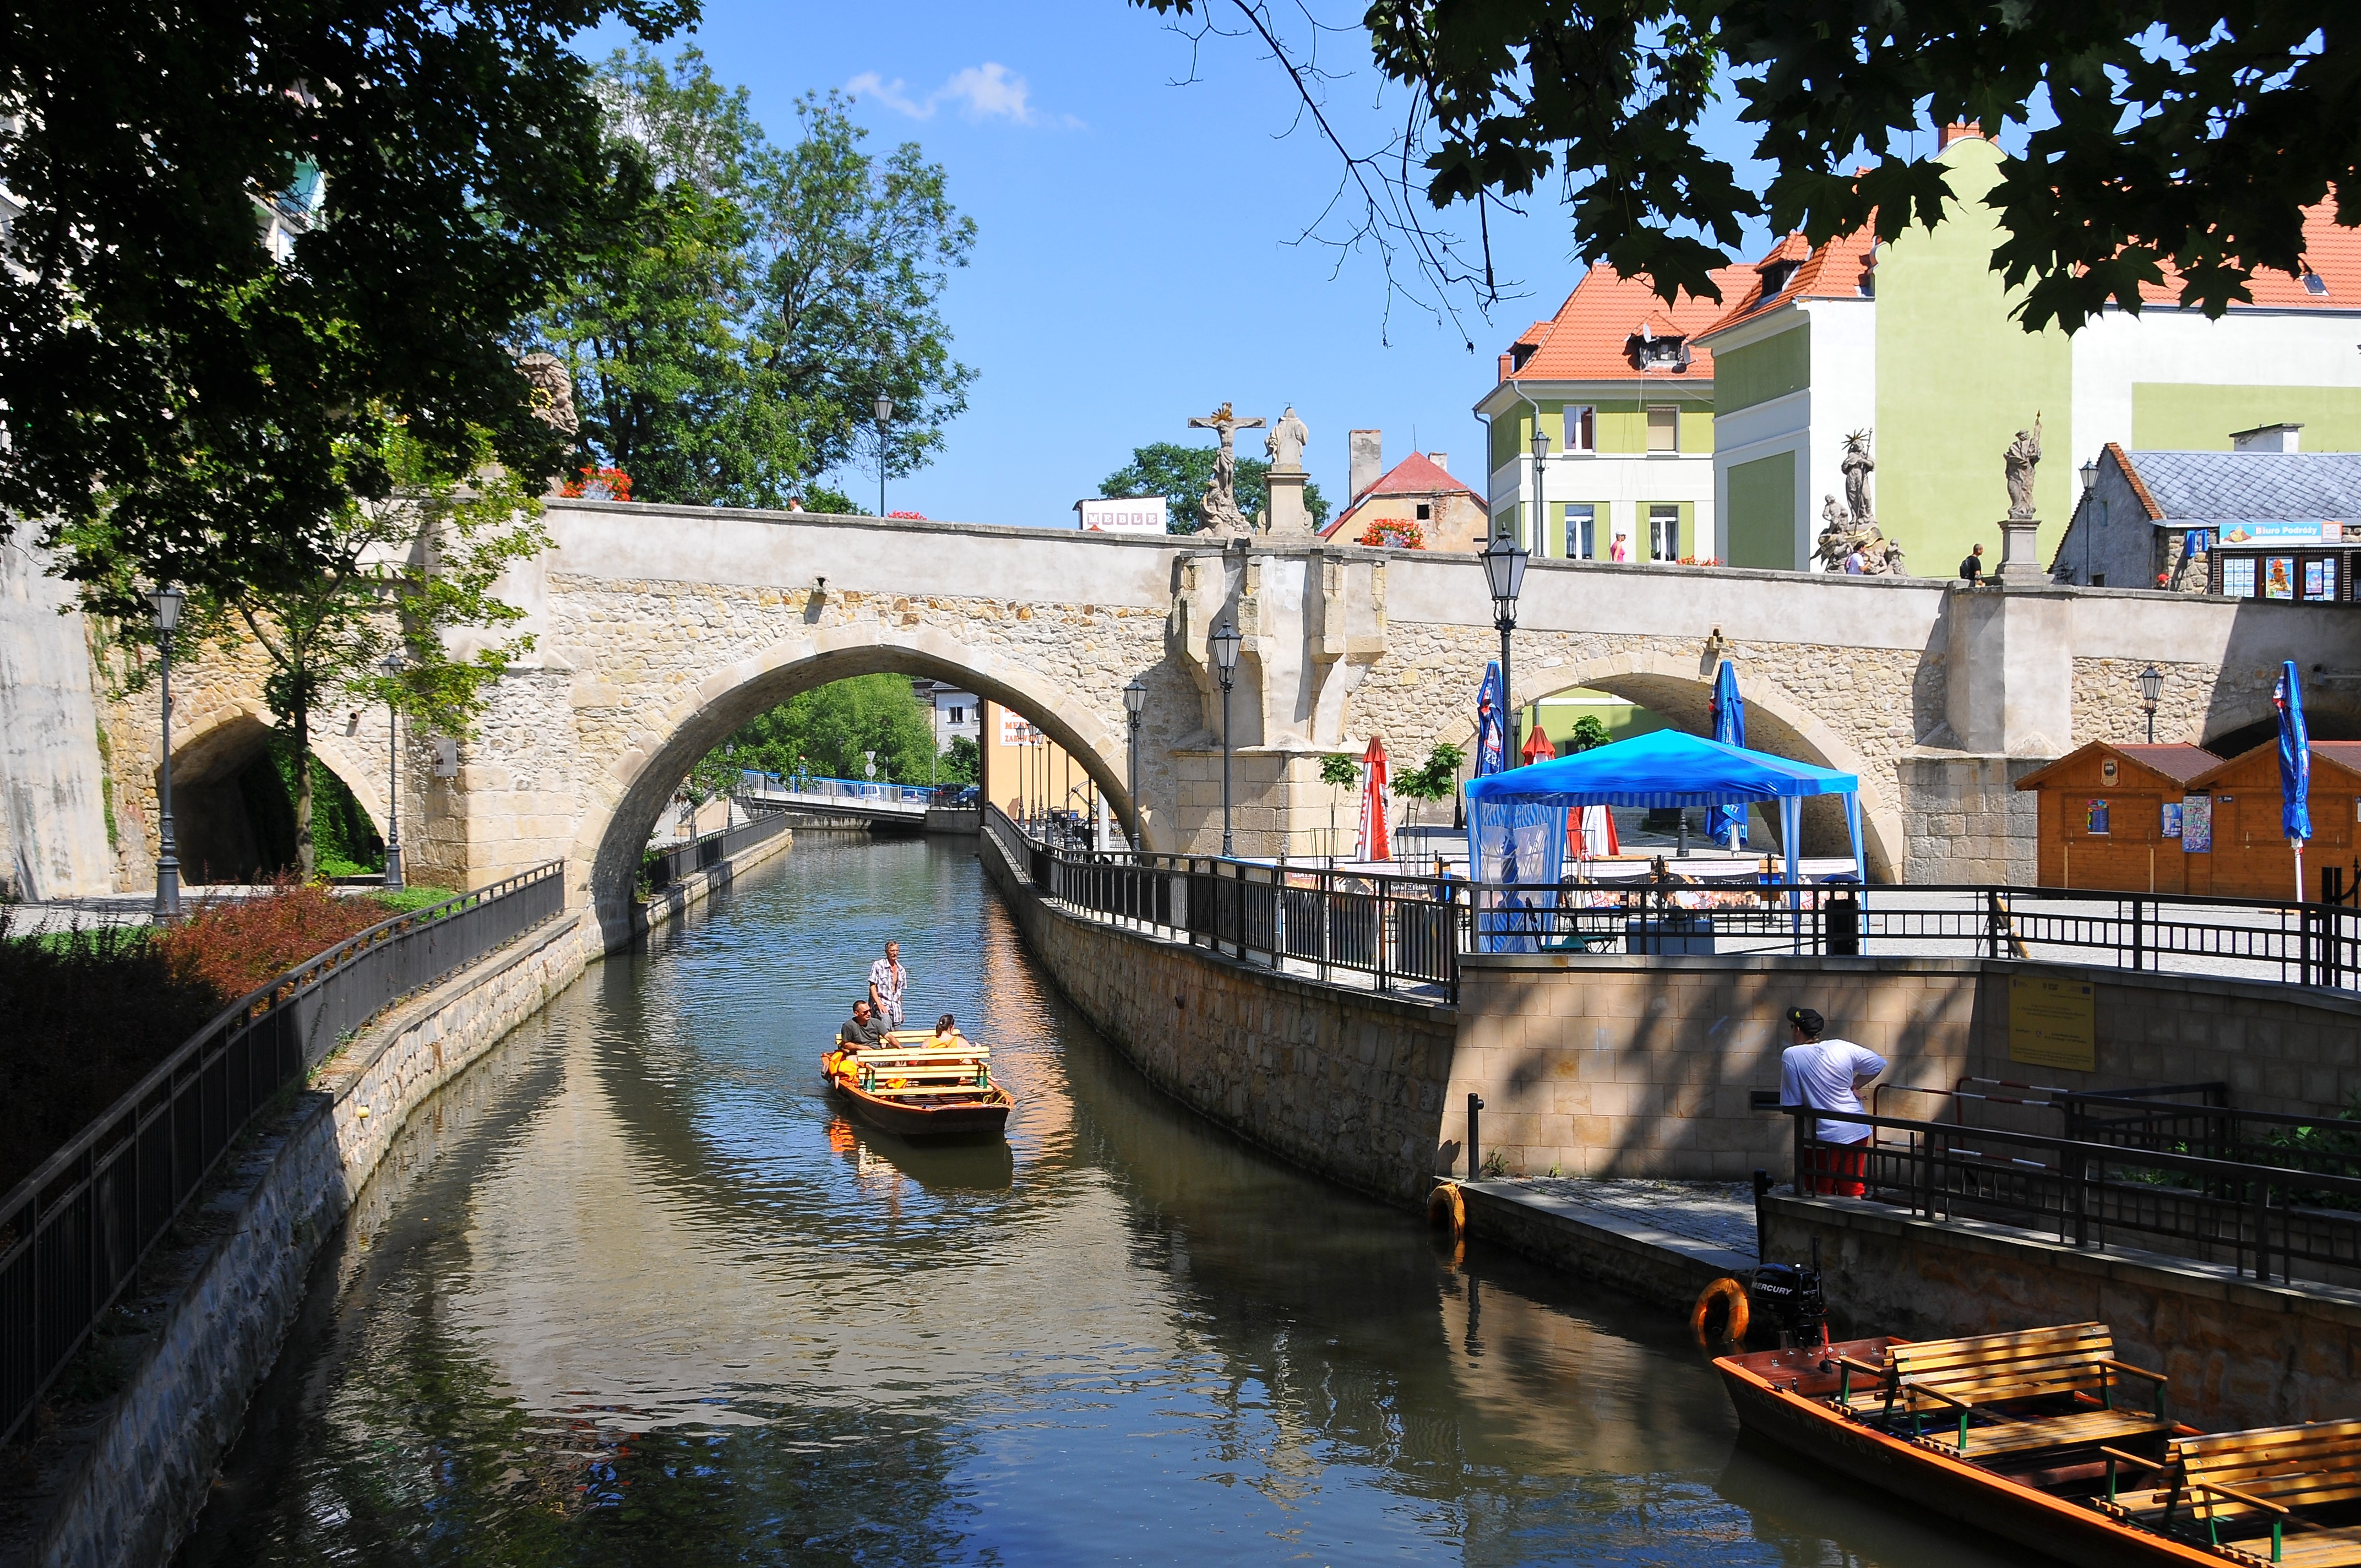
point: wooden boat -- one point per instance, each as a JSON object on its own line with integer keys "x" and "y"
{"x": 920, "y": 1090}
{"x": 1835, "y": 1408}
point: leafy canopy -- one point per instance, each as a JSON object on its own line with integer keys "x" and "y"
{"x": 2156, "y": 134}
{"x": 1180, "y": 473}
{"x": 728, "y": 344}
{"x": 825, "y": 732}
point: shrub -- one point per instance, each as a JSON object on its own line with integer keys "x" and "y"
{"x": 234, "y": 947}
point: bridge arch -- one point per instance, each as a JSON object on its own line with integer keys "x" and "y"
{"x": 614, "y": 832}
{"x": 220, "y": 735}
{"x": 1680, "y": 689}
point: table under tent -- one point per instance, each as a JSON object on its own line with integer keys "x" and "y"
{"x": 1517, "y": 820}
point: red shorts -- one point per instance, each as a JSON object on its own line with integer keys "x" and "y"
{"x": 1836, "y": 1169}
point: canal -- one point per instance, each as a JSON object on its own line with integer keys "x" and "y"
{"x": 630, "y": 1291}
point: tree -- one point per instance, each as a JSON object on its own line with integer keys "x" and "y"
{"x": 1180, "y": 474}
{"x": 1588, "y": 734}
{"x": 1339, "y": 773}
{"x": 828, "y": 730}
{"x": 961, "y": 761}
{"x": 2156, "y": 135}
{"x": 728, "y": 346}
{"x": 1436, "y": 778}
{"x": 427, "y": 171}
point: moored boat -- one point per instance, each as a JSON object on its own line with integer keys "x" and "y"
{"x": 916, "y": 1090}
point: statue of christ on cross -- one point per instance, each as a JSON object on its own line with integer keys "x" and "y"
{"x": 1218, "y": 508}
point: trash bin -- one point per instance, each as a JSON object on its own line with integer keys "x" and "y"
{"x": 1844, "y": 927}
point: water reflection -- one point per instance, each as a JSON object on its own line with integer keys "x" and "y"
{"x": 636, "y": 1292}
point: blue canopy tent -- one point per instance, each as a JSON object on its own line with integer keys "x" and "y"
{"x": 1516, "y": 820}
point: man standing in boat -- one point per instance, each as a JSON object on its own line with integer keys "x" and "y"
{"x": 1826, "y": 1075}
{"x": 887, "y": 981}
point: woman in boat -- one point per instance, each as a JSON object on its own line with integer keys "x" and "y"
{"x": 947, "y": 1035}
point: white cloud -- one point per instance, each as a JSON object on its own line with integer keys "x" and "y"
{"x": 986, "y": 91}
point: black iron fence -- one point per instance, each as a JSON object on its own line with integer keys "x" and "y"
{"x": 661, "y": 868}
{"x": 73, "y": 1232}
{"x": 2265, "y": 1220}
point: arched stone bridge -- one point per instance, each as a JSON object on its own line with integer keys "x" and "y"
{"x": 661, "y": 629}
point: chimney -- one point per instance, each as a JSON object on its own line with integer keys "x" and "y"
{"x": 1441, "y": 460}
{"x": 1368, "y": 451}
{"x": 1959, "y": 129}
{"x": 1508, "y": 367}
{"x": 2267, "y": 438}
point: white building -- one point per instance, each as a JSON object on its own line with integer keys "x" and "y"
{"x": 957, "y": 713}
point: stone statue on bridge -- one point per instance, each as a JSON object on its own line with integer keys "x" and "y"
{"x": 2024, "y": 454}
{"x": 1286, "y": 442}
{"x": 1857, "y": 467}
{"x": 1218, "y": 509}
{"x": 553, "y": 392}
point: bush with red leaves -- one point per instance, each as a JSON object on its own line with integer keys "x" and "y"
{"x": 234, "y": 947}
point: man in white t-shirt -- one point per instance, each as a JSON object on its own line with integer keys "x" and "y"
{"x": 887, "y": 981}
{"x": 1826, "y": 1075}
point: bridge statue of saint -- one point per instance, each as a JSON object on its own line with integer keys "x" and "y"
{"x": 1218, "y": 509}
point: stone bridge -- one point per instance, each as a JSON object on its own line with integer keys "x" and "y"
{"x": 661, "y": 629}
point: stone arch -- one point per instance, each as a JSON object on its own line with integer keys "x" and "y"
{"x": 1680, "y": 689}
{"x": 214, "y": 740}
{"x": 614, "y": 832}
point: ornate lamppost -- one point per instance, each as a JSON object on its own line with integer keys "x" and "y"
{"x": 1541, "y": 493}
{"x": 1504, "y": 571}
{"x": 1135, "y": 698}
{"x": 1225, "y": 665}
{"x": 392, "y": 664}
{"x": 167, "y": 601}
{"x": 883, "y": 409}
{"x": 2151, "y": 685}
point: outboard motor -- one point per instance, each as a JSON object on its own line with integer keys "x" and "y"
{"x": 1790, "y": 1297}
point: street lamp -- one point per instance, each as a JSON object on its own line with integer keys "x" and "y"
{"x": 2151, "y": 682}
{"x": 392, "y": 664}
{"x": 1540, "y": 491}
{"x": 1504, "y": 570}
{"x": 1134, "y": 697}
{"x": 168, "y": 601}
{"x": 1225, "y": 665}
{"x": 883, "y": 410}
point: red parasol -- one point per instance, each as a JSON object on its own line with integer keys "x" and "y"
{"x": 1538, "y": 748}
{"x": 1377, "y": 843}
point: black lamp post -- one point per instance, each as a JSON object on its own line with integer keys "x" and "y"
{"x": 1504, "y": 571}
{"x": 1541, "y": 490}
{"x": 1134, "y": 697}
{"x": 168, "y": 601}
{"x": 883, "y": 410}
{"x": 392, "y": 664}
{"x": 1225, "y": 665}
{"x": 2151, "y": 682}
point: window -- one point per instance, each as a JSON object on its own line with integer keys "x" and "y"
{"x": 1581, "y": 533}
{"x": 1671, "y": 353}
{"x": 1775, "y": 276}
{"x": 959, "y": 716}
{"x": 2313, "y": 283}
{"x": 1425, "y": 511}
{"x": 1664, "y": 532}
{"x": 2238, "y": 576}
{"x": 1664, "y": 429}
{"x": 1579, "y": 430}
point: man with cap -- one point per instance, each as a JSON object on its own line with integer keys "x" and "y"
{"x": 1826, "y": 1075}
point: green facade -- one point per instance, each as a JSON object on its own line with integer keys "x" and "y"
{"x": 1761, "y": 526}
{"x": 1956, "y": 378}
{"x": 2172, "y": 417}
{"x": 1762, "y": 371}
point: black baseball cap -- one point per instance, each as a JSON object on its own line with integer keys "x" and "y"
{"x": 1804, "y": 1018}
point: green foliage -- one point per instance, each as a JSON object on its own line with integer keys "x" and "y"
{"x": 344, "y": 841}
{"x": 401, "y": 901}
{"x": 1180, "y": 473}
{"x": 2167, "y": 134}
{"x": 1339, "y": 769}
{"x": 961, "y": 761}
{"x": 728, "y": 341}
{"x": 826, "y": 731}
{"x": 1588, "y": 734}
{"x": 1437, "y": 779}
{"x": 219, "y": 409}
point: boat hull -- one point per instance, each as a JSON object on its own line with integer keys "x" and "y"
{"x": 985, "y": 1118}
{"x": 1798, "y": 1422}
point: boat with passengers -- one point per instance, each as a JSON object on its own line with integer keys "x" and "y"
{"x": 918, "y": 1085}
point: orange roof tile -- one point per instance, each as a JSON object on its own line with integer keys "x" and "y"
{"x": 1831, "y": 271}
{"x": 2331, "y": 250}
{"x": 2139, "y": 486}
{"x": 1416, "y": 474}
{"x": 1592, "y": 336}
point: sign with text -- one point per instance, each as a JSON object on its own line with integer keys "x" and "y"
{"x": 1134, "y": 514}
{"x": 2052, "y": 1023}
{"x": 1015, "y": 731}
{"x": 2281, "y": 532}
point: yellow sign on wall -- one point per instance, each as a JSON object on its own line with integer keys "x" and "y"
{"x": 2052, "y": 1023}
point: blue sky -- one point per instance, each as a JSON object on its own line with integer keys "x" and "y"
{"x": 1137, "y": 260}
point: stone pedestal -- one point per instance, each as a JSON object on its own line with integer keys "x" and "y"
{"x": 2018, "y": 561}
{"x": 1287, "y": 517}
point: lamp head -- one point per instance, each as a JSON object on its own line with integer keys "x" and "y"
{"x": 168, "y": 601}
{"x": 2090, "y": 474}
{"x": 884, "y": 408}
{"x": 1504, "y": 569}
{"x": 393, "y": 664}
{"x": 1226, "y": 647}
{"x": 1541, "y": 441}
{"x": 2151, "y": 685}
{"x": 1135, "y": 696}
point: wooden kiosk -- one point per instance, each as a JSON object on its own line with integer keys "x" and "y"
{"x": 2251, "y": 856}
{"x": 2104, "y": 821}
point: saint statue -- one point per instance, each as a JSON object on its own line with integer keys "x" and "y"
{"x": 2023, "y": 455}
{"x": 1286, "y": 442}
{"x": 1218, "y": 508}
{"x": 1836, "y": 537}
{"x": 1858, "y": 465}
{"x": 553, "y": 391}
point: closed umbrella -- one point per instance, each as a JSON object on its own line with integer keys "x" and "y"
{"x": 1377, "y": 840}
{"x": 1729, "y": 729}
{"x": 1491, "y": 746}
{"x": 2295, "y": 766}
{"x": 1537, "y": 748}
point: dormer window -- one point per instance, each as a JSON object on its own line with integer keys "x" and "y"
{"x": 1775, "y": 276}
{"x": 2313, "y": 283}
{"x": 1670, "y": 352}
{"x": 1521, "y": 353}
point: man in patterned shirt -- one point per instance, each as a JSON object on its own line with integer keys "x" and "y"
{"x": 887, "y": 981}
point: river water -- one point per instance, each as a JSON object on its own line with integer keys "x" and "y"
{"x": 630, "y": 1291}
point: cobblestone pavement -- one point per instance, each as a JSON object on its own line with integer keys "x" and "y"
{"x": 1722, "y": 1212}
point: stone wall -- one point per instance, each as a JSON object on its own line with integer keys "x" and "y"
{"x": 667, "y": 904}
{"x": 2238, "y": 1353}
{"x": 118, "y": 1484}
{"x": 1965, "y": 820}
{"x": 1349, "y": 1086}
{"x": 55, "y": 840}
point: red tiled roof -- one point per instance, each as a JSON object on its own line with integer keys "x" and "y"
{"x": 1831, "y": 271}
{"x": 2180, "y": 763}
{"x": 1416, "y": 474}
{"x": 1591, "y": 337}
{"x": 2139, "y": 486}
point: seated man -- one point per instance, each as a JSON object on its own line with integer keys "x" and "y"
{"x": 860, "y": 1031}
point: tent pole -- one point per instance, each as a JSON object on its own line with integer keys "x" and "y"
{"x": 1790, "y": 813}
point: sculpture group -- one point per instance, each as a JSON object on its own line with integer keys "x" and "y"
{"x": 1217, "y": 509}
{"x": 1850, "y": 537}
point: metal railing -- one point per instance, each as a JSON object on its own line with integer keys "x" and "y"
{"x": 2267, "y": 1221}
{"x": 1403, "y": 933}
{"x": 661, "y": 868}
{"x": 855, "y": 792}
{"x": 73, "y": 1232}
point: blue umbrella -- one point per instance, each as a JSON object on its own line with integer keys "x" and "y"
{"x": 1491, "y": 746}
{"x": 2295, "y": 766}
{"x": 1729, "y": 729}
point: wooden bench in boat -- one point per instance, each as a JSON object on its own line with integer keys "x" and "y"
{"x": 2239, "y": 1481}
{"x": 914, "y": 1070}
{"x": 1977, "y": 1378}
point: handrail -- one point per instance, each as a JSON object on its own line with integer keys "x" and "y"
{"x": 881, "y": 791}
{"x": 664, "y": 867}
{"x": 73, "y": 1232}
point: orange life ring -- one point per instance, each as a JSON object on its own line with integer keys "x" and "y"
{"x": 1446, "y": 1210}
{"x": 1724, "y": 1289}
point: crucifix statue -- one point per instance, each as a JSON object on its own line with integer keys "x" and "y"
{"x": 1218, "y": 509}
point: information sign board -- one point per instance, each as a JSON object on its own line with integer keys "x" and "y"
{"x": 1134, "y": 514}
{"x": 2052, "y": 1023}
